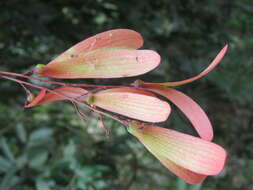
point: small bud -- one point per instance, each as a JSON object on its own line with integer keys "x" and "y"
{"x": 137, "y": 83}
{"x": 30, "y": 97}
{"x": 38, "y": 68}
{"x": 135, "y": 126}
{"x": 90, "y": 99}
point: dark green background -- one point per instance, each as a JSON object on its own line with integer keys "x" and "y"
{"x": 49, "y": 147}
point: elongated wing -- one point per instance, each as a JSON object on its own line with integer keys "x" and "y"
{"x": 112, "y": 39}
{"x": 217, "y": 60}
{"x": 213, "y": 64}
{"x": 135, "y": 103}
{"x": 190, "y": 108}
{"x": 192, "y": 153}
{"x": 104, "y": 64}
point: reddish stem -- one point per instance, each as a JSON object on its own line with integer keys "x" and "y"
{"x": 122, "y": 121}
{"x": 58, "y": 83}
{"x": 23, "y": 82}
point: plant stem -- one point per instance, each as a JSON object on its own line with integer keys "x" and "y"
{"x": 22, "y": 82}
{"x": 59, "y": 83}
{"x": 122, "y": 121}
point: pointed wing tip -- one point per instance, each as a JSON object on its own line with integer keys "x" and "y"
{"x": 217, "y": 60}
{"x": 224, "y": 49}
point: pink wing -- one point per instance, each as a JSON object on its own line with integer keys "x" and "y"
{"x": 105, "y": 64}
{"x": 215, "y": 62}
{"x": 190, "y": 108}
{"x": 136, "y": 104}
{"x": 192, "y": 153}
{"x": 112, "y": 39}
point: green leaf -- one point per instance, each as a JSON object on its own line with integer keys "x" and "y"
{"x": 9, "y": 180}
{"x": 40, "y": 137}
{"x": 69, "y": 150}
{"x": 195, "y": 187}
{"x": 21, "y": 133}
{"x": 41, "y": 134}
{"x": 181, "y": 185}
{"x": 38, "y": 160}
{"x": 21, "y": 161}
{"x": 42, "y": 185}
{"x": 5, "y": 165}
{"x": 6, "y": 149}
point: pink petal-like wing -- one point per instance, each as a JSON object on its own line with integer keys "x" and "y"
{"x": 112, "y": 39}
{"x": 192, "y": 153}
{"x": 105, "y": 64}
{"x": 214, "y": 63}
{"x": 57, "y": 94}
{"x": 135, "y": 103}
{"x": 190, "y": 108}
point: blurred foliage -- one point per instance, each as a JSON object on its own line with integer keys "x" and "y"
{"x": 48, "y": 148}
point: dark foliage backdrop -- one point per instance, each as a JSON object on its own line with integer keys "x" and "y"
{"x": 49, "y": 147}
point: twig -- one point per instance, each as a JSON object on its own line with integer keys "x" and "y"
{"x": 124, "y": 122}
{"x": 58, "y": 83}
